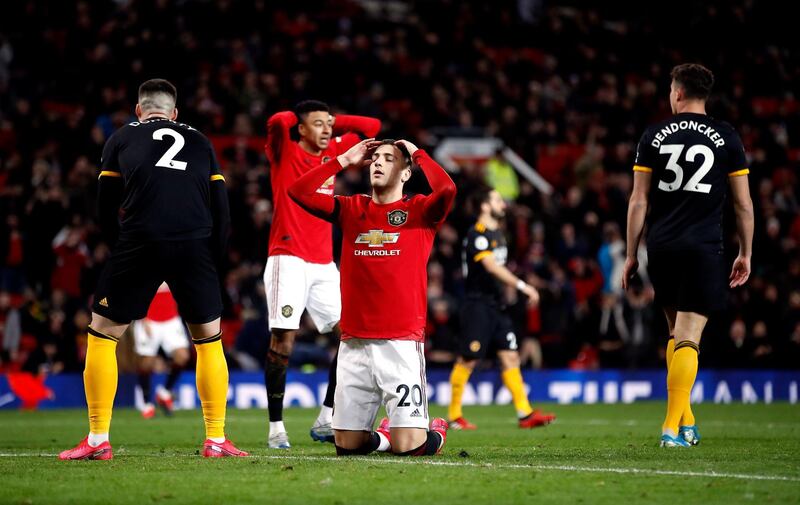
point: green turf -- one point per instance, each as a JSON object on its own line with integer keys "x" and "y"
{"x": 572, "y": 461}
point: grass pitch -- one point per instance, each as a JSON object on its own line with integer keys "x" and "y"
{"x": 592, "y": 454}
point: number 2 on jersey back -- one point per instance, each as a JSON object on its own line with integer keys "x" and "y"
{"x": 693, "y": 184}
{"x": 168, "y": 160}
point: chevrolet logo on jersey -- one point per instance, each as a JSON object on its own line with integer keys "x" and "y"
{"x": 377, "y": 238}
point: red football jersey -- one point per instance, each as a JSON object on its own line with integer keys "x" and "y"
{"x": 163, "y": 306}
{"x": 295, "y": 232}
{"x": 384, "y": 276}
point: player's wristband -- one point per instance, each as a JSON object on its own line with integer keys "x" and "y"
{"x": 521, "y": 285}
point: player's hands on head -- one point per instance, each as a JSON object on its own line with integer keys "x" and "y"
{"x": 629, "y": 270}
{"x": 411, "y": 148}
{"x": 740, "y": 271}
{"x": 360, "y": 155}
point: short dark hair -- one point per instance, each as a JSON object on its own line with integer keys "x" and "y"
{"x": 158, "y": 86}
{"x": 695, "y": 79}
{"x": 479, "y": 196}
{"x": 400, "y": 147}
{"x": 305, "y": 107}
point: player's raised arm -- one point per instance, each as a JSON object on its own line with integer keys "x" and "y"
{"x": 304, "y": 190}
{"x": 367, "y": 126}
{"x": 637, "y": 211}
{"x": 440, "y": 201}
{"x": 278, "y": 137}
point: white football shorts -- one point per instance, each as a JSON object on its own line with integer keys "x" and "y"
{"x": 371, "y": 373}
{"x": 293, "y": 285}
{"x": 170, "y": 335}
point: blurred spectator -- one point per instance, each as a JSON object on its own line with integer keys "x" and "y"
{"x": 502, "y": 177}
{"x": 72, "y": 258}
{"x": 10, "y": 331}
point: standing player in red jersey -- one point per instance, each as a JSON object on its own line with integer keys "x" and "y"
{"x": 163, "y": 328}
{"x": 300, "y": 273}
{"x": 386, "y": 243}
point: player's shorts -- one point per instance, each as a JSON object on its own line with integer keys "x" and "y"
{"x": 371, "y": 373}
{"x": 688, "y": 281}
{"x": 293, "y": 285}
{"x": 149, "y": 335}
{"x": 135, "y": 270}
{"x": 483, "y": 326}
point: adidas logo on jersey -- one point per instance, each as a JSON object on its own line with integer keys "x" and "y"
{"x": 415, "y": 413}
{"x": 104, "y": 302}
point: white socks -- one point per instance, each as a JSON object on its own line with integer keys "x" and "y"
{"x": 217, "y": 440}
{"x": 325, "y": 415}
{"x": 384, "y": 445}
{"x": 276, "y": 427}
{"x": 96, "y": 439}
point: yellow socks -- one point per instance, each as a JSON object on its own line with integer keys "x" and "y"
{"x": 670, "y": 351}
{"x": 512, "y": 378}
{"x": 458, "y": 379}
{"x": 687, "y": 419}
{"x": 680, "y": 379}
{"x": 212, "y": 383}
{"x": 100, "y": 379}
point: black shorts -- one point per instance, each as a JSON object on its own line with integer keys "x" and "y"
{"x": 134, "y": 271}
{"x": 689, "y": 281}
{"x": 485, "y": 325}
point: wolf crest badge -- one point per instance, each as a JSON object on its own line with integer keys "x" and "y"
{"x": 287, "y": 311}
{"x": 397, "y": 217}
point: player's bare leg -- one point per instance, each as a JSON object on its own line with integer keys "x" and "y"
{"x": 530, "y": 350}
{"x": 280, "y": 348}
{"x": 359, "y": 443}
{"x": 459, "y": 377}
{"x": 145, "y": 378}
{"x": 401, "y": 441}
{"x": 212, "y": 387}
{"x": 418, "y": 441}
{"x": 178, "y": 361}
{"x": 100, "y": 383}
{"x": 321, "y": 430}
{"x": 527, "y": 417}
{"x": 682, "y": 372}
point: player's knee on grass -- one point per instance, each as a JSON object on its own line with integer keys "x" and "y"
{"x": 349, "y": 443}
{"x": 407, "y": 439}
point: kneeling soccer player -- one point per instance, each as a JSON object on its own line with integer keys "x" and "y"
{"x": 387, "y": 239}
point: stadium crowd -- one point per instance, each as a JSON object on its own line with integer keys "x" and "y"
{"x": 568, "y": 89}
